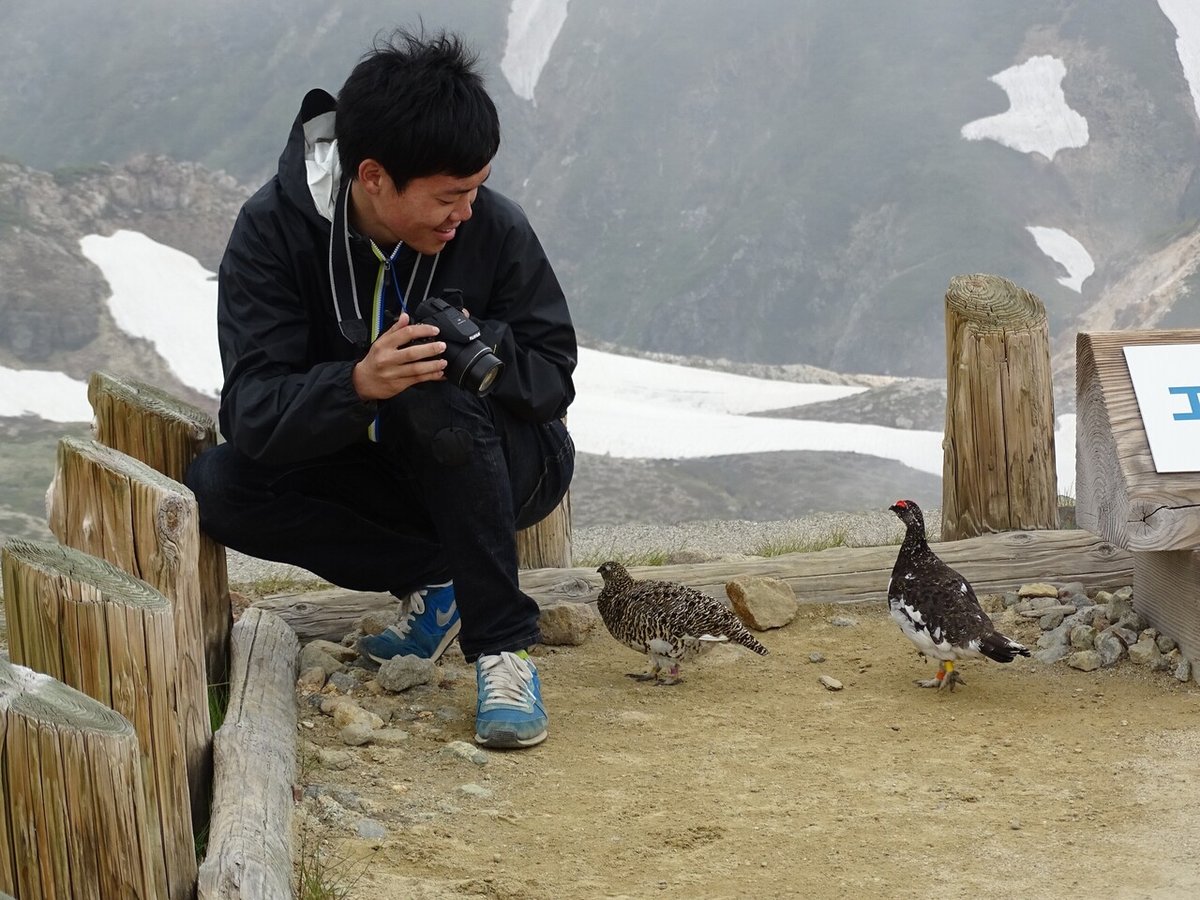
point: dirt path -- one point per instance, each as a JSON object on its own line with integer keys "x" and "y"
{"x": 752, "y": 780}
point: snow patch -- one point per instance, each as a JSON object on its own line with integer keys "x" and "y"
{"x": 533, "y": 27}
{"x": 48, "y": 395}
{"x": 1068, "y": 252}
{"x": 1185, "y": 16}
{"x": 166, "y": 297}
{"x": 1038, "y": 119}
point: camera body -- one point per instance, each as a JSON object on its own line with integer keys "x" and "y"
{"x": 470, "y": 363}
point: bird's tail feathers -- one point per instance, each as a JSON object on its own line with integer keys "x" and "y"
{"x": 746, "y": 639}
{"x": 1000, "y": 648}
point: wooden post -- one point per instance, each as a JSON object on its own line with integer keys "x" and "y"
{"x": 249, "y": 843}
{"x": 114, "y": 507}
{"x": 999, "y": 470}
{"x": 87, "y": 623}
{"x": 73, "y": 809}
{"x": 547, "y": 544}
{"x": 167, "y": 434}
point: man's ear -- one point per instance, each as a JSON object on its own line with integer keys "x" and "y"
{"x": 372, "y": 176}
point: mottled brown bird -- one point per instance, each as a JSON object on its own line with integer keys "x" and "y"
{"x": 667, "y": 621}
{"x": 936, "y": 607}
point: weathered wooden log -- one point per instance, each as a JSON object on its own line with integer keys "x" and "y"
{"x": 999, "y": 471}
{"x": 94, "y": 627}
{"x": 73, "y": 801}
{"x": 313, "y": 615}
{"x": 115, "y": 507}
{"x": 167, "y": 434}
{"x": 250, "y": 838}
{"x": 1119, "y": 493}
{"x": 995, "y": 562}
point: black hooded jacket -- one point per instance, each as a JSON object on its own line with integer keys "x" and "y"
{"x": 288, "y": 393}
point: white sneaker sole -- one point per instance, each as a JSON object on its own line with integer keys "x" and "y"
{"x": 510, "y": 741}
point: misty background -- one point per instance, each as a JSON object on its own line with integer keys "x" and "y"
{"x": 762, "y": 187}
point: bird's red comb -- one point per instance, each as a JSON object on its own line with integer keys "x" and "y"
{"x": 901, "y": 503}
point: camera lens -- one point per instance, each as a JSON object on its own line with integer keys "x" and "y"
{"x": 474, "y": 368}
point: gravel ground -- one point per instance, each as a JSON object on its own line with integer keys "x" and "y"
{"x": 710, "y": 539}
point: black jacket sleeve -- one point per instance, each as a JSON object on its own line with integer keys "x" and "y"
{"x": 276, "y": 406}
{"x": 527, "y": 321}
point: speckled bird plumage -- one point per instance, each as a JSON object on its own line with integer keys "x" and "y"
{"x": 667, "y": 621}
{"x": 936, "y": 607}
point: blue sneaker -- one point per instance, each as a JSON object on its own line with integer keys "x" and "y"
{"x": 509, "y": 712}
{"x": 429, "y": 627}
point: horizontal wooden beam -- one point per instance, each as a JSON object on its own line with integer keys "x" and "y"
{"x": 992, "y": 563}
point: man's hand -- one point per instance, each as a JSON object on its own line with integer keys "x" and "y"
{"x": 394, "y": 364}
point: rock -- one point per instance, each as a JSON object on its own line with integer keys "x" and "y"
{"x": 1118, "y": 607}
{"x": 343, "y": 681}
{"x": 337, "y": 651}
{"x": 1083, "y": 637}
{"x": 1010, "y": 599}
{"x": 475, "y": 790}
{"x": 1051, "y": 655}
{"x": 843, "y": 621}
{"x": 1051, "y": 620}
{"x": 1084, "y": 660}
{"x": 330, "y": 704}
{"x": 1134, "y": 621}
{"x": 313, "y": 655}
{"x": 1033, "y": 607}
{"x": 390, "y": 737}
{"x": 335, "y": 759}
{"x": 1056, "y": 637}
{"x": 1068, "y": 592}
{"x": 356, "y": 733}
{"x": 463, "y": 750}
{"x": 1145, "y": 653}
{"x": 370, "y": 830}
{"x": 1109, "y": 648}
{"x": 816, "y": 657}
{"x": 830, "y": 684}
{"x": 762, "y": 602}
{"x": 1128, "y": 638}
{"x": 376, "y": 622}
{"x": 1165, "y": 644}
{"x": 566, "y": 624}
{"x": 352, "y": 713}
{"x": 1038, "y": 608}
{"x": 312, "y": 679}
{"x": 1038, "y": 589}
{"x": 403, "y": 672}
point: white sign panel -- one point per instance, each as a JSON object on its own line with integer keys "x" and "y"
{"x": 1166, "y": 382}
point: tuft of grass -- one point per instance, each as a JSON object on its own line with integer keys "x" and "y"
{"x": 218, "y": 703}
{"x": 280, "y": 584}
{"x": 838, "y": 537}
{"x": 638, "y": 558}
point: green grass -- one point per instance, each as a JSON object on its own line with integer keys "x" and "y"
{"x": 321, "y": 872}
{"x": 838, "y": 537}
{"x": 638, "y": 558}
{"x": 280, "y": 584}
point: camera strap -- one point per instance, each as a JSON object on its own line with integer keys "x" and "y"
{"x": 342, "y": 282}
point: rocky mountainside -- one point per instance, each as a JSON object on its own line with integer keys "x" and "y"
{"x": 778, "y": 182}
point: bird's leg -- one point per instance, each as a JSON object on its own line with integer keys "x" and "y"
{"x": 653, "y": 667}
{"x": 673, "y": 676}
{"x": 952, "y": 677}
{"x": 937, "y": 681}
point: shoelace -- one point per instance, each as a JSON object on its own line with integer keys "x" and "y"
{"x": 506, "y": 680}
{"x": 416, "y": 606}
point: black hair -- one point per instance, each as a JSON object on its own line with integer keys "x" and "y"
{"x": 417, "y": 106}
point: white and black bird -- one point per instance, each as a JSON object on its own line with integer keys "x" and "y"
{"x": 937, "y": 609}
{"x": 667, "y": 621}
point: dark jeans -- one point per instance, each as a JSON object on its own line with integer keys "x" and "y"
{"x": 439, "y": 497}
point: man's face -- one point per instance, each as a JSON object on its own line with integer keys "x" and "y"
{"x": 425, "y": 215}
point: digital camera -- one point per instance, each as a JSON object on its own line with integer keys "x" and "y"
{"x": 470, "y": 363}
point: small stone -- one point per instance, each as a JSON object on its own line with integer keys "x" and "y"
{"x": 403, "y": 672}
{"x": 356, "y": 734}
{"x": 1015, "y": 824}
{"x": 389, "y": 736}
{"x": 566, "y": 624}
{"x": 1109, "y": 648}
{"x": 463, "y": 750}
{"x": 830, "y": 684}
{"x": 338, "y": 760}
{"x": 353, "y": 714}
{"x": 816, "y": 657}
{"x": 370, "y": 830}
{"x": 475, "y": 790}
{"x": 313, "y": 656}
{"x": 843, "y": 621}
{"x": 337, "y": 651}
{"x": 1083, "y": 637}
{"x": 312, "y": 679}
{"x": 762, "y": 602}
{"x": 1010, "y": 599}
{"x": 1050, "y": 621}
{"x": 1165, "y": 644}
{"x": 1183, "y": 669}
{"x": 376, "y": 622}
{"x": 1051, "y": 655}
{"x": 1145, "y": 653}
{"x": 1038, "y": 589}
{"x": 1084, "y": 660}
{"x": 343, "y": 681}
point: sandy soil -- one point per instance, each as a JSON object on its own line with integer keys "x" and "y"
{"x": 751, "y": 779}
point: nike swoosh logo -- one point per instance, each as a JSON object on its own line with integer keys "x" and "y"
{"x": 443, "y": 618}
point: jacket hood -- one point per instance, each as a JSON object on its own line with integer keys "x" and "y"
{"x": 309, "y": 170}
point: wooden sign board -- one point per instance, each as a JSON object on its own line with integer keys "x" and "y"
{"x": 1166, "y": 382}
{"x": 1120, "y": 494}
